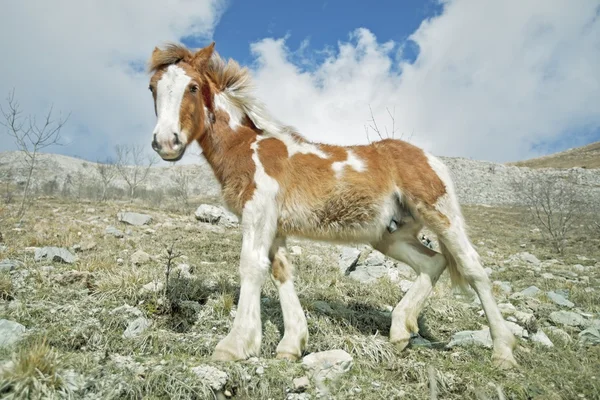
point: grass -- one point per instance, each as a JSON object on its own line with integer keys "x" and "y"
{"x": 76, "y": 317}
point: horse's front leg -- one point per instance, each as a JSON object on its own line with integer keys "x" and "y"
{"x": 259, "y": 226}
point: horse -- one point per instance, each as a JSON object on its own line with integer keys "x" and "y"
{"x": 280, "y": 184}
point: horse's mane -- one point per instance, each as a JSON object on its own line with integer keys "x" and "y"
{"x": 233, "y": 81}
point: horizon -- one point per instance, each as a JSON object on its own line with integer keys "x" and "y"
{"x": 506, "y": 88}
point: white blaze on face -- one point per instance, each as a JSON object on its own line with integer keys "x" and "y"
{"x": 169, "y": 95}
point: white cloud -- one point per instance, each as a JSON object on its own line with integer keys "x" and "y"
{"x": 79, "y": 55}
{"x": 491, "y": 79}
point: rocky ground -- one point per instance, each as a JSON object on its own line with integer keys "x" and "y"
{"x": 87, "y": 310}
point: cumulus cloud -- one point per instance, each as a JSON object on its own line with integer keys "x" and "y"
{"x": 89, "y": 58}
{"x": 491, "y": 80}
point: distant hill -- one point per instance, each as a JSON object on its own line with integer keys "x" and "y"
{"x": 581, "y": 157}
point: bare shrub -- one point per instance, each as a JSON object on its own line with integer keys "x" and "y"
{"x": 133, "y": 166}
{"x": 181, "y": 188}
{"x": 555, "y": 207}
{"x": 30, "y": 136}
{"x": 107, "y": 170}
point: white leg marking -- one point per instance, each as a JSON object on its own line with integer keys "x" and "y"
{"x": 259, "y": 225}
{"x": 295, "y": 335}
{"x": 429, "y": 265}
{"x": 169, "y": 95}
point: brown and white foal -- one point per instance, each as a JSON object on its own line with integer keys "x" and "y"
{"x": 281, "y": 185}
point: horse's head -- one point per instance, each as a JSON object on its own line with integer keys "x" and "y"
{"x": 182, "y": 96}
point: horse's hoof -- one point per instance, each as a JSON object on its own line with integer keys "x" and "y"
{"x": 224, "y": 355}
{"x": 287, "y": 356}
{"x": 400, "y": 344}
{"x": 505, "y": 361}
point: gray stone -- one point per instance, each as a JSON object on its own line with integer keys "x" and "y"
{"x": 301, "y": 384}
{"x": 559, "y": 334}
{"x": 548, "y": 276}
{"x": 136, "y": 327}
{"x": 140, "y": 257}
{"x": 590, "y": 336}
{"x": 368, "y": 273}
{"x": 470, "y": 338}
{"x": 375, "y": 258}
{"x": 531, "y": 291}
{"x": 111, "y": 230}
{"x": 419, "y": 341}
{"x": 541, "y": 338}
{"x": 529, "y": 258}
{"x": 152, "y": 287}
{"x": 560, "y": 300}
{"x": 567, "y": 318}
{"x": 215, "y": 215}
{"x": 7, "y": 265}
{"x": 328, "y": 364}
{"x": 133, "y": 218}
{"x": 211, "y": 376}
{"x": 10, "y": 333}
{"x": 348, "y": 258}
{"x": 57, "y": 254}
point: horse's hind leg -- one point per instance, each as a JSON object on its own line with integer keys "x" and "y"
{"x": 295, "y": 334}
{"x": 404, "y": 246}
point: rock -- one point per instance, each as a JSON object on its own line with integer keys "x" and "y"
{"x": 140, "y": 257}
{"x": 469, "y": 338}
{"x": 260, "y": 370}
{"x": 507, "y": 308}
{"x": 136, "y": 327}
{"x": 301, "y": 384}
{"x": 405, "y": 285}
{"x": 328, "y": 364}
{"x": 215, "y": 215}
{"x": 548, "y": 276}
{"x": 560, "y": 300}
{"x": 133, "y": 218}
{"x": 57, "y": 254}
{"x": 295, "y": 250}
{"x": 10, "y": 333}
{"x": 488, "y": 271}
{"x": 375, "y": 258}
{"x": 211, "y": 376}
{"x": 524, "y": 318}
{"x": 152, "y": 287}
{"x": 589, "y": 336}
{"x": 111, "y": 230}
{"x": 419, "y": 341}
{"x": 7, "y": 265}
{"x": 517, "y": 330}
{"x": 529, "y": 258}
{"x": 348, "y": 259}
{"x": 567, "y": 318}
{"x": 541, "y": 338}
{"x": 531, "y": 291}
{"x": 84, "y": 246}
{"x": 368, "y": 274}
{"x": 559, "y": 334}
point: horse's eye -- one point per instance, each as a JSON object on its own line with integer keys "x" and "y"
{"x": 194, "y": 88}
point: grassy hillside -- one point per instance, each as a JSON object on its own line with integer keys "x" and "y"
{"x": 581, "y": 157}
{"x": 77, "y": 315}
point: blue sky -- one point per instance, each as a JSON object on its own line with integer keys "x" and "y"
{"x": 499, "y": 80}
{"x": 322, "y": 23}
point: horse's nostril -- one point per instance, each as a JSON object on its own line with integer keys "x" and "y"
{"x": 176, "y": 140}
{"x": 155, "y": 144}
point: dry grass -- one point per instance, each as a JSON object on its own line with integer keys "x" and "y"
{"x": 581, "y": 157}
{"x": 83, "y": 331}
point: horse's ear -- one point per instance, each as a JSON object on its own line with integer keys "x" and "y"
{"x": 202, "y": 56}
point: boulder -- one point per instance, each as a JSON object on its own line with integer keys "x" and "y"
{"x": 560, "y": 300}
{"x": 469, "y": 338}
{"x": 57, "y": 254}
{"x": 567, "y": 318}
{"x": 541, "y": 338}
{"x": 328, "y": 364}
{"x": 133, "y": 218}
{"x": 211, "y": 376}
{"x": 589, "y": 336}
{"x": 215, "y": 215}
{"x": 10, "y": 332}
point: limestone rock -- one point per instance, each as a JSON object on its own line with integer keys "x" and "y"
{"x": 328, "y": 364}
{"x": 57, "y": 254}
{"x": 541, "y": 338}
{"x": 136, "y": 327}
{"x": 567, "y": 318}
{"x": 133, "y": 218}
{"x": 7, "y": 265}
{"x": 111, "y": 230}
{"x": 469, "y": 338}
{"x": 560, "y": 300}
{"x": 215, "y": 215}
{"x": 590, "y": 336}
{"x": 211, "y": 376}
{"x": 348, "y": 259}
{"x": 140, "y": 258}
{"x": 10, "y": 332}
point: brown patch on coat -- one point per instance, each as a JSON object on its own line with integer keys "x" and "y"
{"x": 281, "y": 269}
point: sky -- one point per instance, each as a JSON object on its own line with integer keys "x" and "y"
{"x": 498, "y": 80}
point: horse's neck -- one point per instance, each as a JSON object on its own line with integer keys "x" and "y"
{"x": 226, "y": 149}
